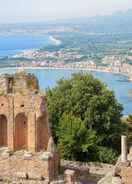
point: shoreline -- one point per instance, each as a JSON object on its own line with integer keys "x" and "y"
{"x": 63, "y": 68}
{"x": 10, "y": 70}
{"x": 55, "y": 41}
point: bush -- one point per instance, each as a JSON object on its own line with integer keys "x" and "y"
{"x": 107, "y": 155}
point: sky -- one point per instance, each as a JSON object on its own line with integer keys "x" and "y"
{"x": 41, "y": 10}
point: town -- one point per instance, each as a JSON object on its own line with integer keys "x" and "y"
{"x": 69, "y": 59}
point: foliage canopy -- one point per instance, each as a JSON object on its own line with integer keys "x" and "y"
{"x": 86, "y": 119}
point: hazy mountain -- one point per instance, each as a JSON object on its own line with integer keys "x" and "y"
{"x": 117, "y": 22}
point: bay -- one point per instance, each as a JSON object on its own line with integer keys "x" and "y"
{"x": 11, "y": 45}
{"x": 118, "y": 83}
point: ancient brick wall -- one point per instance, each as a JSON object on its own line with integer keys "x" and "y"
{"x": 24, "y": 126}
{"x": 26, "y": 119}
{"x": 19, "y": 82}
{"x": 25, "y": 110}
{"x": 33, "y": 168}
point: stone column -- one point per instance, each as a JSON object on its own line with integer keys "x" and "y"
{"x": 123, "y": 149}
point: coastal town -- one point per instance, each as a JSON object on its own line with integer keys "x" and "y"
{"x": 71, "y": 59}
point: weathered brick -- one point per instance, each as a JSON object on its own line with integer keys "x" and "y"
{"x": 24, "y": 126}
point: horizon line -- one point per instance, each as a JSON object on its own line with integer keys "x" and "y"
{"x": 54, "y": 20}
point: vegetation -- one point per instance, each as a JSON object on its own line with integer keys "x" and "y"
{"x": 1, "y": 93}
{"x": 129, "y": 119}
{"x": 128, "y": 131}
{"x": 86, "y": 119}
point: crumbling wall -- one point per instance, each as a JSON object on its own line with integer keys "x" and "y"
{"x": 24, "y": 98}
{"x": 24, "y": 126}
{"x": 33, "y": 167}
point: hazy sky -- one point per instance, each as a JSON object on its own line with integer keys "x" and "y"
{"x": 32, "y": 10}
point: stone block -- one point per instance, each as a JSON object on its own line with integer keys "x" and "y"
{"x": 116, "y": 180}
{"x": 70, "y": 176}
{"x": 46, "y": 156}
{"x": 27, "y": 155}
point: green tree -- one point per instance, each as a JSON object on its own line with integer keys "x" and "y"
{"x": 75, "y": 141}
{"x": 94, "y": 113}
{"x": 129, "y": 119}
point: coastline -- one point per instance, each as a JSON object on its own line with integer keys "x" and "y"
{"x": 64, "y": 68}
{"x": 55, "y": 41}
{"x": 113, "y": 81}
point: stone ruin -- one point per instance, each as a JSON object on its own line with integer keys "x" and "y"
{"x": 27, "y": 149}
{"x": 122, "y": 172}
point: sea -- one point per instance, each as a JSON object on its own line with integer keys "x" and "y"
{"x": 11, "y": 45}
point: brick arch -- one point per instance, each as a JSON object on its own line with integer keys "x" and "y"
{"x": 41, "y": 132}
{"x": 21, "y": 132}
{"x": 3, "y": 130}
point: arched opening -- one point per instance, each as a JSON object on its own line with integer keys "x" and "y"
{"x": 3, "y": 131}
{"x": 21, "y": 132}
{"x": 41, "y": 133}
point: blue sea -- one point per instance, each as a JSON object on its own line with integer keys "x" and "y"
{"x": 11, "y": 45}
{"x": 48, "y": 78}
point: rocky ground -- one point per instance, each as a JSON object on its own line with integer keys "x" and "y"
{"x": 93, "y": 171}
{"x": 90, "y": 173}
